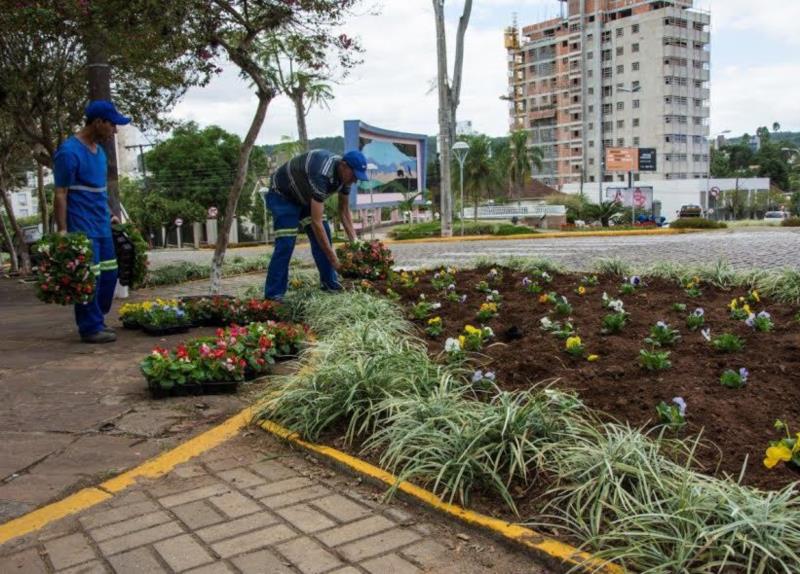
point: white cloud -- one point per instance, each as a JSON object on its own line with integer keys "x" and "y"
{"x": 744, "y": 98}
{"x": 775, "y": 20}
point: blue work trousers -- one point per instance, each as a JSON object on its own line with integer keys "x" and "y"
{"x": 90, "y": 316}
{"x": 288, "y": 219}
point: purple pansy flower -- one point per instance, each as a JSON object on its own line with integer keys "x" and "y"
{"x": 681, "y": 405}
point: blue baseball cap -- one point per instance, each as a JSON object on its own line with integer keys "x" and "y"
{"x": 105, "y": 110}
{"x": 358, "y": 163}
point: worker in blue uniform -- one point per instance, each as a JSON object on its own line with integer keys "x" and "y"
{"x": 296, "y": 199}
{"x": 81, "y": 205}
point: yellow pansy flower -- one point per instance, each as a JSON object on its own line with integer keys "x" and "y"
{"x": 461, "y": 340}
{"x": 573, "y": 342}
{"x": 746, "y": 309}
{"x": 776, "y": 454}
{"x": 581, "y": 290}
{"x": 434, "y": 321}
{"x": 592, "y": 358}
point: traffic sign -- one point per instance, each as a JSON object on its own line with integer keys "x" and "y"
{"x": 178, "y": 221}
{"x": 715, "y": 191}
{"x": 212, "y": 212}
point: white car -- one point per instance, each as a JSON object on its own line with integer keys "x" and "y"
{"x": 775, "y": 217}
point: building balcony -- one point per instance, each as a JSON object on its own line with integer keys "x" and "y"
{"x": 677, "y": 52}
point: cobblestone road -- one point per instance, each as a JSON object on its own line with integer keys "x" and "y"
{"x": 742, "y": 248}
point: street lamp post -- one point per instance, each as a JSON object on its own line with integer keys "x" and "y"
{"x": 708, "y": 177}
{"x": 461, "y": 149}
{"x": 372, "y": 169}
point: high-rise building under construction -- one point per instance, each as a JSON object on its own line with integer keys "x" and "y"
{"x": 613, "y": 74}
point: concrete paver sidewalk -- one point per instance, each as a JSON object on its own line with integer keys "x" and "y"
{"x": 253, "y": 506}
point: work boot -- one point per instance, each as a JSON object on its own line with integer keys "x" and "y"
{"x": 109, "y": 330}
{"x": 100, "y": 337}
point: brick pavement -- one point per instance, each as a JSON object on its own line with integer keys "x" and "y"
{"x": 254, "y": 506}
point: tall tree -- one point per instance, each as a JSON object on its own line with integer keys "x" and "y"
{"x": 449, "y": 98}
{"x": 48, "y": 48}
{"x": 305, "y": 87}
{"x": 776, "y": 127}
{"x": 238, "y": 29}
{"x": 12, "y": 155}
{"x": 522, "y": 160}
{"x": 480, "y": 174}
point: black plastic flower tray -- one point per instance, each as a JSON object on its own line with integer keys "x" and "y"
{"x": 194, "y": 389}
{"x": 163, "y": 331}
{"x": 133, "y": 325}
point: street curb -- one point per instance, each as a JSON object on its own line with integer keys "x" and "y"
{"x": 551, "y": 235}
{"x": 153, "y": 468}
{"x": 556, "y": 554}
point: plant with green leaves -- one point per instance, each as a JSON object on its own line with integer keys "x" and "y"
{"x": 692, "y": 287}
{"x": 630, "y": 285}
{"x": 422, "y": 308}
{"x": 733, "y": 379}
{"x": 696, "y": 319}
{"x": 589, "y": 280}
{"x": 442, "y": 279}
{"x": 679, "y": 307}
{"x": 434, "y": 328}
{"x": 473, "y": 338}
{"x": 653, "y": 360}
{"x": 662, "y": 335}
{"x": 761, "y": 322}
{"x": 562, "y": 307}
{"x": 727, "y": 343}
{"x": 574, "y": 346}
{"x": 483, "y": 286}
{"x": 673, "y": 415}
{"x": 531, "y": 286}
{"x": 613, "y": 323}
{"x": 785, "y": 450}
{"x": 487, "y": 312}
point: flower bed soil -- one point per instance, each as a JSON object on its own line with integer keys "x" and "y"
{"x": 739, "y": 422}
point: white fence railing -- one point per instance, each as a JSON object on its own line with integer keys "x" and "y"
{"x": 519, "y": 211}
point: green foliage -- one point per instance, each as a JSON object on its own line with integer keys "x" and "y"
{"x": 696, "y": 223}
{"x": 662, "y": 335}
{"x": 671, "y": 415}
{"x": 614, "y": 322}
{"x": 188, "y": 271}
{"x": 197, "y": 166}
{"x": 434, "y": 229}
{"x": 654, "y": 360}
{"x": 791, "y": 222}
{"x": 727, "y": 343}
{"x": 603, "y": 212}
{"x": 732, "y": 379}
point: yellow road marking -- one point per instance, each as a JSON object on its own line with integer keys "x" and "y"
{"x": 152, "y": 468}
{"x": 535, "y": 541}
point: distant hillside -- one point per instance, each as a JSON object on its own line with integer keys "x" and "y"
{"x": 787, "y": 137}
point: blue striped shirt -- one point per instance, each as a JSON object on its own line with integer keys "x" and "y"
{"x": 310, "y": 175}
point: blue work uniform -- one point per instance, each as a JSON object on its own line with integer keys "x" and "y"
{"x": 311, "y": 176}
{"x": 83, "y": 173}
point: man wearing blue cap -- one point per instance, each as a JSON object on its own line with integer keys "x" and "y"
{"x": 81, "y": 205}
{"x": 296, "y": 198}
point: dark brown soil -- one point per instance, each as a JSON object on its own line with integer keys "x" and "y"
{"x": 738, "y": 421}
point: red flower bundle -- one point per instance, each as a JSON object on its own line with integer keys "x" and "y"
{"x": 65, "y": 273}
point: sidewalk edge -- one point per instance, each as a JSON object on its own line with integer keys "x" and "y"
{"x": 155, "y": 467}
{"x": 556, "y": 553}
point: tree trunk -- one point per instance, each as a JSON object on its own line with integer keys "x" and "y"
{"x": 42, "y": 198}
{"x": 9, "y": 244}
{"x": 21, "y": 246}
{"x": 264, "y": 100}
{"x": 99, "y": 79}
{"x": 302, "y": 130}
{"x": 445, "y": 140}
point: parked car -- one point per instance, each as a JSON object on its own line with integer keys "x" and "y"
{"x": 690, "y": 210}
{"x": 775, "y": 216}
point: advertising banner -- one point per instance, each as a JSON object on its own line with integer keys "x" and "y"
{"x": 639, "y": 198}
{"x": 622, "y": 159}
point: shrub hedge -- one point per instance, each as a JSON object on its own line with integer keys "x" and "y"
{"x": 696, "y": 223}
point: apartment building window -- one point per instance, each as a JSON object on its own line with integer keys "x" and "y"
{"x": 635, "y": 48}
{"x": 620, "y": 106}
{"x": 590, "y": 73}
{"x": 607, "y": 109}
{"x": 590, "y": 55}
{"x": 591, "y": 109}
{"x": 591, "y": 161}
{"x": 620, "y": 32}
{"x": 607, "y": 72}
{"x": 590, "y": 91}
{"x": 698, "y": 102}
{"x": 620, "y": 124}
{"x": 608, "y": 143}
{"x": 589, "y": 37}
{"x": 620, "y": 51}
{"x": 576, "y": 117}
{"x": 607, "y": 91}
{"x": 621, "y": 142}
{"x": 635, "y": 66}
{"x": 696, "y": 157}
{"x": 636, "y": 122}
{"x": 682, "y": 100}
{"x": 636, "y": 104}
{"x": 698, "y": 83}
{"x": 635, "y": 84}
{"x": 606, "y": 54}
{"x": 699, "y": 26}
{"x": 697, "y": 121}
{"x": 606, "y": 36}
{"x": 621, "y": 69}
{"x": 608, "y": 126}
{"x": 667, "y": 99}
{"x": 636, "y": 140}
{"x": 668, "y": 158}
{"x": 682, "y": 119}
{"x": 591, "y": 142}
{"x": 635, "y": 29}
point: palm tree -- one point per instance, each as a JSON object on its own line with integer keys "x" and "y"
{"x": 479, "y": 169}
{"x": 776, "y": 127}
{"x": 522, "y": 160}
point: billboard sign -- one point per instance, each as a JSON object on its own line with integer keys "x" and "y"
{"x": 622, "y": 159}
{"x": 647, "y": 159}
{"x": 639, "y": 198}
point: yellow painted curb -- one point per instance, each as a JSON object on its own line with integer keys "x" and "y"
{"x": 546, "y": 235}
{"x": 152, "y": 468}
{"x": 544, "y": 546}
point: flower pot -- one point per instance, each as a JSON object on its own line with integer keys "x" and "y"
{"x": 164, "y": 331}
{"x": 193, "y": 389}
{"x": 130, "y": 324}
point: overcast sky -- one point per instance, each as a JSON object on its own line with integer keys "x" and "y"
{"x": 755, "y": 73}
